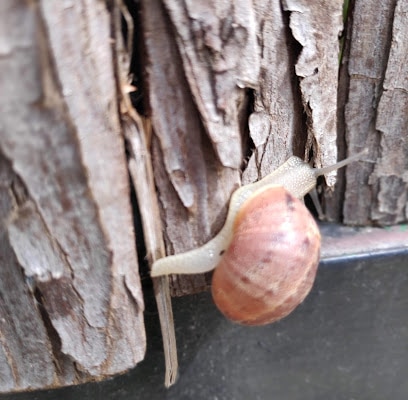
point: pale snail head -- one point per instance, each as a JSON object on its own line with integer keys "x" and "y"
{"x": 266, "y": 255}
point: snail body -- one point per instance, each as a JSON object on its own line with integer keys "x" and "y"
{"x": 266, "y": 255}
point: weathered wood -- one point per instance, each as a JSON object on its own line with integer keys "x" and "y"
{"x": 71, "y": 298}
{"x": 24, "y": 341}
{"x": 376, "y": 113}
{"x": 275, "y": 125}
{"x": 317, "y": 26}
{"x": 142, "y": 177}
{"x": 193, "y": 186}
{"x": 390, "y": 176}
{"x": 218, "y": 47}
{"x": 140, "y": 168}
{"x": 289, "y": 85}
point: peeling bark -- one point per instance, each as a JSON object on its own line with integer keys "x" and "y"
{"x": 218, "y": 47}
{"x": 317, "y": 26}
{"x": 275, "y": 125}
{"x": 192, "y": 184}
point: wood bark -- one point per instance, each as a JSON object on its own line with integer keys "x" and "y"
{"x": 71, "y": 302}
{"x": 376, "y": 114}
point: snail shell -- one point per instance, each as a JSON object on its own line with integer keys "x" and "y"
{"x": 265, "y": 273}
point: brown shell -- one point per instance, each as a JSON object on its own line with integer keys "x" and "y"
{"x": 271, "y": 263}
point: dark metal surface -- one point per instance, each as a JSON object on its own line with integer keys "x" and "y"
{"x": 348, "y": 340}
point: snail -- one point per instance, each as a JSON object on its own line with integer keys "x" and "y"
{"x": 266, "y": 255}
